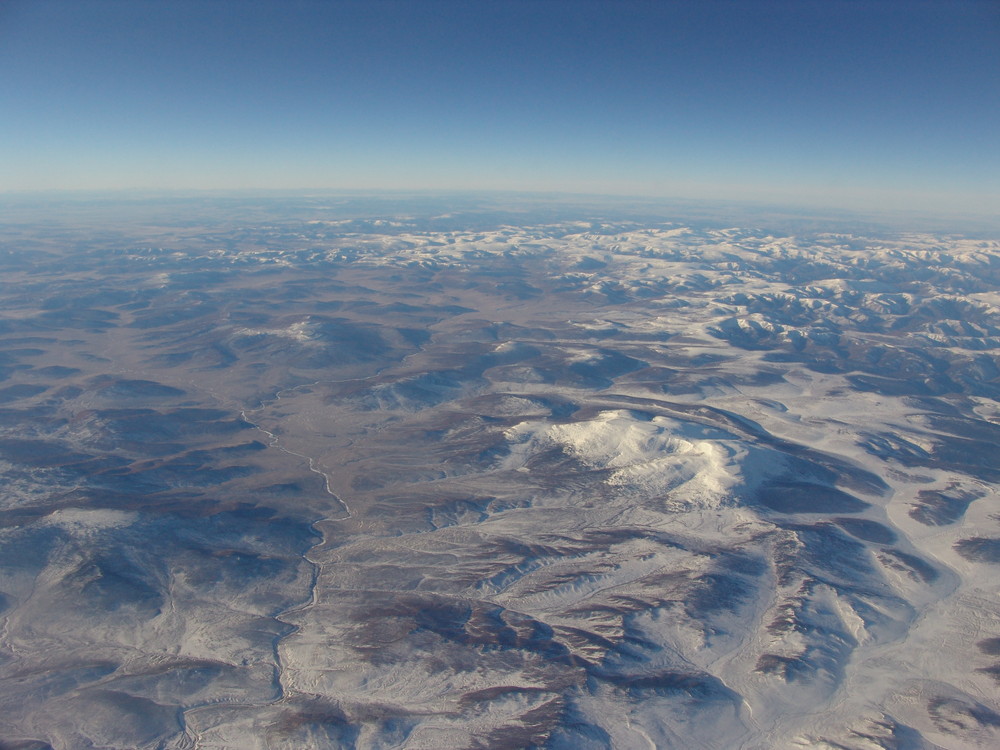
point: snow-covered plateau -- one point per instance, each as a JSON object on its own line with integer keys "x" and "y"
{"x": 470, "y": 480}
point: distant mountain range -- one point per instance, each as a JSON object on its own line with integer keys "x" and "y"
{"x": 460, "y": 475}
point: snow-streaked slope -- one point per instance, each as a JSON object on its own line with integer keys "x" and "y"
{"x": 572, "y": 484}
{"x": 683, "y": 464}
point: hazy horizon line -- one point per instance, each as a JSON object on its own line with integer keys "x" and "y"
{"x": 803, "y": 208}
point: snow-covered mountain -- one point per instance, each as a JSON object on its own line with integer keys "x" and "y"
{"x": 481, "y": 481}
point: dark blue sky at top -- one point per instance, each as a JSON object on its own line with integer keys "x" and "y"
{"x": 881, "y": 104}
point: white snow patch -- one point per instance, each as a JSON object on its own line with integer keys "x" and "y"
{"x": 653, "y": 456}
{"x": 81, "y": 522}
{"x": 301, "y": 331}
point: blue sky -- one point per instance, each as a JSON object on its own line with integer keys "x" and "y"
{"x": 846, "y": 103}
